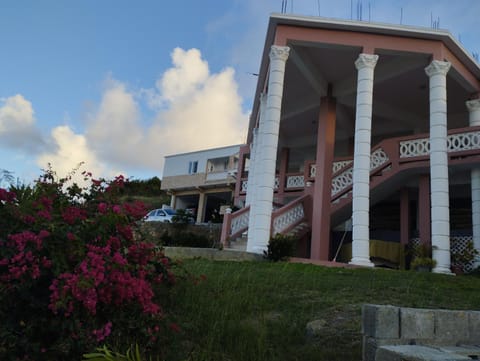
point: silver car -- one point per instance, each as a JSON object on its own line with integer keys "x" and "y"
{"x": 160, "y": 215}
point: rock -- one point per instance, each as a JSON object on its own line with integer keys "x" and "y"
{"x": 314, "y": 328}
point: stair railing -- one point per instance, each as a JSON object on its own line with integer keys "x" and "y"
{"x": 234, "y": 224}
{"x": 289, "y": 216}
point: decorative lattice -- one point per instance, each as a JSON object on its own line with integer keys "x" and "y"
{"x": 455, "y": 143}
{"x": 239, "y": 223}
{"x": 340, "y": 164}
{"x": 378, "y": 158}
{"x": 342, "y": 181}
{"x": 463, "y": 141}
{"x": 458, "y": 245}
{"x": 287, "y": 219}
{"x": 295, "y": 181}
{"x": 414, "y": 148}
{"x": 313, "y": 170}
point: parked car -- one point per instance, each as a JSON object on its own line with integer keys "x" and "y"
{"x": 160, "y": 215}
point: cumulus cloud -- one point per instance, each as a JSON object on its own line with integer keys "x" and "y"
{"x": 69, "y": 151}
{"x": 194, "y": 109}
{"x": 17, "y": 125}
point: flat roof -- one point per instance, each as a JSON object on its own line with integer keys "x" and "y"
{"x": 204, "y": 150}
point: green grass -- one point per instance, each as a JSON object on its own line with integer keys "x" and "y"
{"x": 259, "y": 310}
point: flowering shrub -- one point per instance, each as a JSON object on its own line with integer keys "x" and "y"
{"x": 75, "y": 272}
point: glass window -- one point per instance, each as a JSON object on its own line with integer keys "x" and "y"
{"x": 192, "y": 167}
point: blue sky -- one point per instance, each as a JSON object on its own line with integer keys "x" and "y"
{"x": 120, "y": 84}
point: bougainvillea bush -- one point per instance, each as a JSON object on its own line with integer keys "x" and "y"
{"x": 76, "y": 273}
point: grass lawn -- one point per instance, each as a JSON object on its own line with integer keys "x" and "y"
{"x": 259, "y": 310}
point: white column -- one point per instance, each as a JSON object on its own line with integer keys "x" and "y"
{"x": 474, "y": 112}
{"x": 173, "y": 201}
{"x": 254, "y": 162}
{"x": 261, "y": 208}
{"x": 365, "y": 65}
{"x": 440, "y": 208}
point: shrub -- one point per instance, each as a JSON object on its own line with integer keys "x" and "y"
{"x": 75, "y": 272}
{"x": 280, "y": 248}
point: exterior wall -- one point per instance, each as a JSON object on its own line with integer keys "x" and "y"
{"x": 176, "y": 165}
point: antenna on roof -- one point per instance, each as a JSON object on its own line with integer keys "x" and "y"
{"x": 369, "y": 12}
{"x": 351, "y": 9}
{"x": 475, "y": 56}
{"x": 318, "y": 4}
{"x": 401, "y": 16}
{"x": 434, "y": 24}
{"x": 284, "y": 6}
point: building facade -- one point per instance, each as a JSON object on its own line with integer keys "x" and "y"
{"x": 364, "y": 129}
{"x": 201, "y": 182}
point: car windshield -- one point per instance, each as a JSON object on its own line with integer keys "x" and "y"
{"x": 170, "y": 212}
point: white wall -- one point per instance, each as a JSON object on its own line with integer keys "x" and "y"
{"x": 177, "y": 164}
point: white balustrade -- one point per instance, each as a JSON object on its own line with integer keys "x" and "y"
{"x": 463, "y": 141}
{"x": 455, "y": 143}
{"x": 342, "y": 181}
{"x": 287, "y": 219}
{"x": 239, "y": 223}
{"x": 340, "y": 164}
{"x": 378, "y": 158}
{"x": 313, "y": 170}
{"x": 276, "y": 185}
{"x": 295, "y": 181}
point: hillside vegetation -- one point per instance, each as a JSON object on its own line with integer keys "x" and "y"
{"x": 259, "y": 310}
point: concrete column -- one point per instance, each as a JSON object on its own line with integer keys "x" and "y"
{"x": 404, "y": 217}
{"x": 423, "y": 217}
{"x": 474, "y": 112}
{"x": 254, "y": 162}
{"x": 365, "y": 65}
{"x": 282, "y": 176}
{"x": 440, "y": 211}
{"x": 173, "y": 201}
{"x": 320, "y": 241}
{"x": 251, "y": 169}
{"x": 201, "y": 207}
{"x": 261, "y": 209}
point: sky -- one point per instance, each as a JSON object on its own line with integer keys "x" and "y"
{"x": 120, "y": 84}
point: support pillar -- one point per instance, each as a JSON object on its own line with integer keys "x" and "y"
{"x": 440, "y": 211}
{"x": 201, "y": 208}
{"x": 282, "y": 176}
{"x": 320, "y": 243}
{"x": 474, "y": 112}
{"x": 423, "y": 218}
{"x": 173, "y": 201}
{"x": 361, "y": 161}
{"x": 404, "y": 217}
{"x": 261, "y": 209}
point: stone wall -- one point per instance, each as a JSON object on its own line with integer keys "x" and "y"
{"x": 211, "y": 230}
{"x": 390, "y": 325}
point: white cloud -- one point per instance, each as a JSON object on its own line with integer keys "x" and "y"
{"x": 17, "y": 124}
{"x": 70, "y": 150}
{"x": 194, "y": 110}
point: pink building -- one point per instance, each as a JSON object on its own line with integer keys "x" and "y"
{"x": 369, "y": 131}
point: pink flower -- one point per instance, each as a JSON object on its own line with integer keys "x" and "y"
{"x": 102, "y": 208}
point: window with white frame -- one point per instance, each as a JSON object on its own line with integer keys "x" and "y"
{"x": 192, "y": 167}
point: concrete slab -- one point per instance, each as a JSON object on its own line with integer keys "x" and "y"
{"x": 415, "y": 353}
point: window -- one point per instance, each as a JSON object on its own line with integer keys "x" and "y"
{"x": 192, "y": 167}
